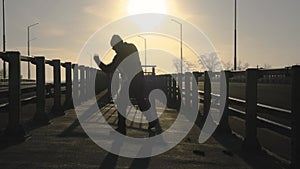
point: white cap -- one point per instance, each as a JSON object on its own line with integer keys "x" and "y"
{"x": 115, "y": 40}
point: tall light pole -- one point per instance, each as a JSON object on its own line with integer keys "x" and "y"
{"x": 235, "y": 35}
{"x": 180, "y": 43}
{"x": 28, "y": 45}
{"x": 4, "y": 64}
{"x": 145, "y": 43}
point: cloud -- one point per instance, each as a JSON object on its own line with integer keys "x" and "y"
{"x": 106, "y": 10}
{"x": 56, "y": 32}
{"x": 95, "y": 11}
{"x": 49, "y": 53}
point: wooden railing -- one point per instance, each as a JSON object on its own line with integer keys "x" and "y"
{"x": 284, "y": 121}
{"x": 78, "y": 88}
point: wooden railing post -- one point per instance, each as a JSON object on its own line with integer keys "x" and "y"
{"x": 169, "y": 83}
{"x": 195, "y": 94}
{"x": 187, "y": 90}
{"x": 174, "y": 92}
{"x": 153, "y": 71}
{"x": 75, "y": 91}
{"x": 224, "y": 127}
{"x": 82, "y": 88}
{"x": 169, "y": 88}
{"x": 179, "y": 89}
{"x": 40, "y": 117}
{"x": 164, "y": 85}
{"x": 207, "y": 94}
{"x": 14, "y": 128}
{"x": 88, "y": 80}
{"x": 295, "y": 140}
{"x": 251, "y": 142}
{"x": 171, "y": 93}
{"x": 57, "y": 108}
{"x": 92, "y": 81}
{"x": 68, "y": 104}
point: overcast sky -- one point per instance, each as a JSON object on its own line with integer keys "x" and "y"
{"x": 268, "y": 30}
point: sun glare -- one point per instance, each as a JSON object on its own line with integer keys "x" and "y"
{"x": 146, "y": 6}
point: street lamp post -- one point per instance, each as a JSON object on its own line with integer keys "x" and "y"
{"x": 28, "y": 45}
{"x": 235, "y": 35}
{"x": 4, "y": 64}
{"x": 180, "y": 43}
{"x": 145, "y": 43}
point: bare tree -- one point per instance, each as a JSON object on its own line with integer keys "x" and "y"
{"x": 210, "y": 62}
{"x": 227, "y": 65}
{"x": 176, "y": 63}
{"x": 267, "y": 66}
{"x": 242, "y": 66}
{"x": 264, "y": 66}
{"x": 186, "y": 66}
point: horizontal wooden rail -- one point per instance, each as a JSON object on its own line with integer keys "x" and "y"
{"x": 264, "y": 122}
{"x": 29, "y": 99}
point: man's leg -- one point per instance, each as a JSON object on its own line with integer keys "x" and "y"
{"x": 122, "y": 106}
{"x": 139, "y": 91}
{"x": 121, "y": 124}
{"x": 154, "y": 127}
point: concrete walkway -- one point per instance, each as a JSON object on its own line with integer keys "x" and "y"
{"x": 64, "y": 145}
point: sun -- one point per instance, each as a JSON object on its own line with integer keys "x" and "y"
{"x": 146, "y": 6}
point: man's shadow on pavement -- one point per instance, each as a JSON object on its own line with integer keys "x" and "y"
{"x": 110, "y": 161}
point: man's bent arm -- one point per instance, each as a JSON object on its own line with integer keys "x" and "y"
{"x": 110, "y": 67}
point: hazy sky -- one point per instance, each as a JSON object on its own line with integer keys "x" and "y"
{"x": 268, "y": 30}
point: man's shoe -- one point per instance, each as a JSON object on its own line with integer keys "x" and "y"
{"x": 153, "y": 131}
{"x": 158, "y": 129}
{"x": 121, "y": 130}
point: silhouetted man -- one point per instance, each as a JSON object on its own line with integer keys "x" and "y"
{"x": 137, "y": 87}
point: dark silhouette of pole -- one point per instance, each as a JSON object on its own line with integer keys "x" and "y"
{"x": 4, "y": 64}
{"x": 235, "y": 35}
{"x": 181, "y": 46}
{"x": 28, "y": 45}
{"x": 145, "y": 44}
{"x": 180, "y": 43}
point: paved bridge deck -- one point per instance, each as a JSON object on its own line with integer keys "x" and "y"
{"x": 64, "y": 145}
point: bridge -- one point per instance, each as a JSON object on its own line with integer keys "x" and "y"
{"x": 256, "y": 130}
